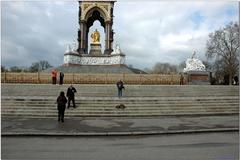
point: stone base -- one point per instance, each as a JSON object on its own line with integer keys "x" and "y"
{"x": 95, "y": 49}
{"x": 107, "y": 51}
{"x": 93, "y": 69}
{"x": 197, "y": 78}
{"x": 71, "y": 58}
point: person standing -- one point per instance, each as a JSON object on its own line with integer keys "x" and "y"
{"x": 120, "y": 87}
{"x": 236, "y": 80}
{"x": 61, "y": 76}
{"x": 61, "y": 106}
{"x": 71, "y": 97}
{"x": 54, "y": 76}
{"x": 181, "y": 79}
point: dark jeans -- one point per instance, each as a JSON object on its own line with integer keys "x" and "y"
{"x": 119, "y": 92}
{"x": 73, "y": 101}
{"x": 181, "y": 82}
{"x": 61, "y": 110}
{"x": 61, "y": 81}
{"x": 54, "y": 80}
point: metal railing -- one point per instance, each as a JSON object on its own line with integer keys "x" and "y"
{"x": 78, "y": 78}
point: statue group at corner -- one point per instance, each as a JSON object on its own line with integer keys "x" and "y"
{"x": 194, "y": 64}
{"x": 73, "y": 48}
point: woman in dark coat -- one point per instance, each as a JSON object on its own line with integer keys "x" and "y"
{"x": 61, "y": 105}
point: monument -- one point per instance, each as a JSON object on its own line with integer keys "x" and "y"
{"x": 79, "y": 59}
{"x": 195, "y": 72}
{"x": 90, "y": 11}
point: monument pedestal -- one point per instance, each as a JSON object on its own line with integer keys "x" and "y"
{"x": 95, "y": 49}
{"x": 95, "y": 57}
{"x": 197, "y": 78}
{"x": 87, "y": 59}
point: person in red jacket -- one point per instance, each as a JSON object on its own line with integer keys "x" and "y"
{"x": 61, "y": 106}
{"x": 54, "y": 76}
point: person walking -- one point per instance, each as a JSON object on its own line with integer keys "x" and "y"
{"x": 61, "y": 76}
{"x": 71, "y": 97}
{"x": 120, "y": 86}
{"x": 54, "y": 76}
{"x": 61, "y": 106}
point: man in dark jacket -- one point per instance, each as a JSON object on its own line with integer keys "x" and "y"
{"x": 70, "y": 94}
{"x": 120, "y": 87}
{"x": 61, "y": 105}
{"x": 61, "y": 75}
{"x": 181, "y": 79}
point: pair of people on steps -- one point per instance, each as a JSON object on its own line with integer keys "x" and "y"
{"x": 62, "y": 101}
{"x": 54, "y": 74}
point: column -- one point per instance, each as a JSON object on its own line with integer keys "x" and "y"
{"x": 83, "y": 29}
{"x": 108, "y": 30}
{"x": 79, "y": 30}
{"x": 106, "y": 38}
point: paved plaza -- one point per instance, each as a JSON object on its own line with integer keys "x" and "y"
{"x": 119, "y": 125}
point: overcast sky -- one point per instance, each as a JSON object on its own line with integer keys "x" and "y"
{"x": 147, "y": 31}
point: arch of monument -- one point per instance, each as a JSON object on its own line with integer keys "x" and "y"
{"x": 89, "y": 12}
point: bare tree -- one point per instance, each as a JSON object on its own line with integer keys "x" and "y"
{"x": 224, "y": 46}
{"x": 181, "y": 66}
{"x": 164, "y": 68}
{"x": 15, "y": 69}
{"x": 39, "y": 66}
{"x": 3, "y": 69}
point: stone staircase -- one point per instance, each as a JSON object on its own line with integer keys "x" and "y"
{"x": 38, "y": 101}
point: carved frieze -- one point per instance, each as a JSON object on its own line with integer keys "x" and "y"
{"x": 104, "y": 7}
{"x": 91, "y": 60}
{"x": 85, "y": 6}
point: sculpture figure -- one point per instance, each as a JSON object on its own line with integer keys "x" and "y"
{"x": 117, "y": 49}
{"x": 74, "y": 46}
{"x": 95, "y": 36}
{"x": 68, "y": 48}
{"x": 194, "y": 54}
{"x": 193, "y": 64}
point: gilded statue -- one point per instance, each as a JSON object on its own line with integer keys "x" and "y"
{"x": 95, "y": 36}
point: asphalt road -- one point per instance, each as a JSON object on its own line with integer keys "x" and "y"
{"x": 204, "y": 146}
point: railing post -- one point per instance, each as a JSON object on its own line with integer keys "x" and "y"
{"x": 88, "y": 80}
{"x": 140, "y": 78}
{"x": 38, "y": 75}
{"x": 156, "y": 79}
{"x": 5, "y": 77}
{"x": 106, "y": 75}
{"x": 123, "y": 77}
{"x": 73, "y": 78}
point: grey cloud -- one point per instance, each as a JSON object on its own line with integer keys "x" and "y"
{"x": 38, "y": 29}
{"x": 32, "y": 31}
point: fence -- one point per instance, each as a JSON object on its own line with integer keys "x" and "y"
{"x": 77, "y": 78}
